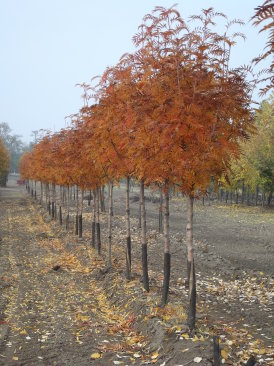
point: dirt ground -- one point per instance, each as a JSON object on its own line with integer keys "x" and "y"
{"x": 81, "y": 314}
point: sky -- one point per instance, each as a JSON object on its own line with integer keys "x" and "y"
{"x": 49, "y": 46}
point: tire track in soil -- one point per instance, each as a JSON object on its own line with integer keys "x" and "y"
{"x": 48, "y": 312}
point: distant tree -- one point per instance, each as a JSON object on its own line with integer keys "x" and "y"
{"x": 4, "y": 164}
{"x": 255, "y": 168}
{"x": 14, "y": 144}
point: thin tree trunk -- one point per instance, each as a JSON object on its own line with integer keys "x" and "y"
{"x": 143, "y": 238}
{"x": 98, "y": 233}
{"x": 243, "y": 192}
{"x": 60, "y": 215}
{"x": 110, "y": 203}
{"x": 190, "y": 265}
{"x": 226, "y": 196}
{"x": 54, "y": 214}
{"x": 89, "y": 198}
{"x": 77, "y": 210}
{"x": 93, "y": 220}
{"x": 269, "y": 198}
{"x": 41, "y": 193}
{"x": 189, "y": 237}
{"x": 161, "y": 212}
{"x": 256, "y": 195}
{"x": 139, "y": 215}
{"x": 248, "y": 196}
{"x": 102, "y": 199}
{"x": 237, "y": 196}
{"x": 80, "y": 226}
{"x": 68, "y": 204}
{"x": 166, "y": 250}
{"x": 216, "y": 351}
{"x": 128, "y": 238}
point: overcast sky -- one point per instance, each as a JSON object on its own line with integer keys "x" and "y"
{"x": 48, "y": 46}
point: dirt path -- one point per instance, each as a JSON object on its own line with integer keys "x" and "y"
{"x": 50, "y": 317}
{"x": 81, "y": 315}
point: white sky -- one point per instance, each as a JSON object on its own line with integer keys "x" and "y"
{"x": 48, "y": 46}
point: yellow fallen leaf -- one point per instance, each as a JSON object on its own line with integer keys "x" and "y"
{"x": 224, "y": 354}
{"x": 262, "y": 351}
{"x": 94, "y": 356}
{"x": 23, "y": 332}
{"x": 154, "y": 355}
{"x": 15, "y": 358}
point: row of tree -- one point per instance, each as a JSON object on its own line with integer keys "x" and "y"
{"x": 170, "y": 115}
{"x": 14, "y": 144}
{"x": 4, "y": 164}
{"x": 254, "y": 170}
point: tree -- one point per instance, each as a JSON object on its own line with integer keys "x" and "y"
{"x": 4, "y": 164}
{"x": 265, "y": 13}
{"x": 14, "y": 145}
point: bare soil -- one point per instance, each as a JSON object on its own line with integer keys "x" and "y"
{"x": 60, "y": 305}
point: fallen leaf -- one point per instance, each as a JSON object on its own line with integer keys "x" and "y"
{"x": 154, "y": 355}
{"x": 224, "y": 354}
{"x": 94, "y": 356}
{"x": 197, "y": 359}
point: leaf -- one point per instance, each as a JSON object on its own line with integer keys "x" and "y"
{"x": 197, "y": 359}
{"x": 95, "y": 356}
{"x": 224, "y": 354}
{"x": 154, "y": 355}
{"x": 23, "y": 332}
{"x": 15, "y": 358}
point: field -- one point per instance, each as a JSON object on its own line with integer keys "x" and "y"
{"x": 59, "y": 304}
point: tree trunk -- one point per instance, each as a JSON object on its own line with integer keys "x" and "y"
{"x": 248, "y": 196}
{"x": 139, "y": 215}
{"x": 102, "y": 199}
{"x": 269, "y": 198}
{"x": 190, "y": 265}
{"x": 189, "y": 237}
{"x": 93, "y": 220}
{"x": 76, "y": 196}
{"x": 237, "y": 196}
{"x": 166, "y": 250}
{"x": 60, "y": 216}
{"x": 98, "y": 233}
{"x": 68, "y": 201}
{"x": 161, "y": 212}
{"x": 256, "y": 195}
{"x": 41, "y": 193}
{"x": 216, "y": 351}
{"x": 110, "y": 203}
{"x": 143, "y": 238}
{"x": 80, "y": 225}
{"x": 243, "y": 192}
{"x": 128, "y": 238}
